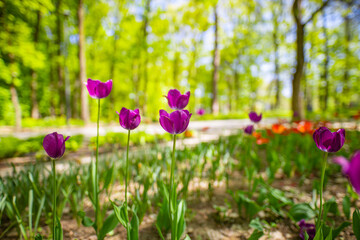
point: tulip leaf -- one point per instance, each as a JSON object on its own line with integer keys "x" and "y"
{"x": 181, "y": 208}
{"x": 109, "y": 224}
{"x": 86, "y": 221}
{"x": 120, "y": 214}
{"x": 330, "y": 206}
{"x": 108, "y": 177}
{"x": 306, "y": 235}
{"x": 301, "y": 211}
{"x": 329, "y": 236}
{"x": 319, "y": 234}
{"x": 134, "y": 232}
{"x": 58, "y": 230}
{"x": 256, "y": 224}
{"x": 38, "y": 237}
{"x": 346, "y": 206}
{"x": 338, "y": 230}
{"x": 256, "y": 235}
{"x": 356, "y": 223}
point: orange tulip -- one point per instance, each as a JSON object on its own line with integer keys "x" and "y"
{"x": 261, "y": 141}
{"x": 278, "y": 128}
{"x": 256, "y": 135}
{"x": 305, "y": 127}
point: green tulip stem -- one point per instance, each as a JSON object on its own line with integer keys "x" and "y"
{"x": 54, "y": 197}
{"x": 97, "y": 212}
{"x": 172, "y": 196}
{"x": 126, "y": 185}
{"x": 323, "y": 168}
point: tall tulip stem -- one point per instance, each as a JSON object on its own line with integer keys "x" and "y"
{"x": 126, "y": 185}
{"x": 97, "y": 219}
{"x": 172, "y": 195}
{"x": 54, "y": 198}
{"x": 323, "y": 168}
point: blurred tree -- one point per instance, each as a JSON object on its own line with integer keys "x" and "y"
{"x": 216, "y": 63}
{"x": 296, "y": 102}
{"x": 82, "y": 65}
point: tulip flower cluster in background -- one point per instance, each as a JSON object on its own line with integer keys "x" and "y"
{"x": 250, "y": 129}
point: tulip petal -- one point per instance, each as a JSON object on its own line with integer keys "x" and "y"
{"x": 183, "y": 101}
{"x": 343, "y": 162}
{"x": 354, "y": 171}
{"x": 164, "y": 113}
{"x": 91, "y": 87}
{"x": 124, "y": 117}
{"x": 167, "y": 124}
{"x": 172, "y": 97}
{"x": 54, "y": 145}
{"x": 134, "y": 119}
{"x": 254, "y": 117}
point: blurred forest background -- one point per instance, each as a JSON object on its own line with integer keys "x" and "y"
{"x": 282, "y": 57}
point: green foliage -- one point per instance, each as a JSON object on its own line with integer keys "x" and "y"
{"x": 14, "y": 147}
{"x": 356, "y": 223}
{"x": 120, "y": 139}
{"x": 148, "y": 51}
{"x": 301, "y": 211}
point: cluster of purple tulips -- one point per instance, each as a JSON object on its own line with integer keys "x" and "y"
{"x": 174, "y": 123}
{"x": 255, "y": 118}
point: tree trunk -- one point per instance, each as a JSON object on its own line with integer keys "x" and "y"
{"x": 59, "y": 67}
{"x": 296, "y": 101}
{"x": 82, "y": 62}
{"x": 296, "y": 105}
{"x": 276, "y": 60}
{"x": 326, "y": 64}
{"x": 236, "y": 86}
{"x": 216, "y": 63}
{"x": 34, "y": 102}
{"x": 145, "y": 52}
{"x": 346, "y": 87}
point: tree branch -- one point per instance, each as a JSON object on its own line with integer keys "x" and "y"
{"x": 324, "y": 4}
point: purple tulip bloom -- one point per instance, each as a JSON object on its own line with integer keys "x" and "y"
{"x": 351, "y": 169}
{"x": 328, "y": 141}
{"x": 249, "y": 129}
{"x": 308, "y": 227}
{"x": 175, "y": 122}
{"x": 129, "y": 119}
{"x": 254, "y": 117}
{"x": 200, "y": 112}
{"x": 98, "y": 89}
{"x": 54, "y": 145}
{"x": 176, "y": 100}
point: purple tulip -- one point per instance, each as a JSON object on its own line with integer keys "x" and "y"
{"x": 351, "y": 169}
{"x": 328, "y": 141}
{"x": 98, "y": 89}
{"x": 176, "y": 100}
{"x": 254, "y": 117}
{"x": 129, "y": 119}
{"x": 175, "y": 122}
{"x": 308, "y": 227}
{"x": 200, "y": 111}
{"x": 54, "y": 145}
{"x": 249, "y": 129}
